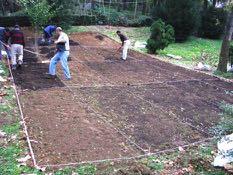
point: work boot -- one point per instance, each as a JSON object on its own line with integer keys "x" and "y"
{"x": 49, "y": 76}
{"x": 69, "y": 59}
{"x": 20, "y": 62}
{"x": 13, "y": 67}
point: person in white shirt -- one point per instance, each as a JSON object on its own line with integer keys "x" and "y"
{"x": 125, "y": 44}
{"x": 62, "y": 54}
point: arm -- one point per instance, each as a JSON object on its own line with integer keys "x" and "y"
{"x": 122, "y": 44}
{"x": 61, "y": 39}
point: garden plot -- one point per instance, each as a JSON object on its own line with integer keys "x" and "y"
{"x": 113, "y": 108}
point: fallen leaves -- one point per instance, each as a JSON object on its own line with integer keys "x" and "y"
{"x": 24, "y": 159}
{"x": 2, "y": 79}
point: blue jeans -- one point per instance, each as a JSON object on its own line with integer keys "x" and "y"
{"x": 62, "y": 57}
{"x": 8, "y": 52}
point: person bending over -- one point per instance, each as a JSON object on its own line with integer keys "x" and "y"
{"x": 125, "y": 44}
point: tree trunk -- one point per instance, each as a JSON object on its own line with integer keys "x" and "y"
{"x": 214, "y": 2}
{"x": 135, "y": 9}
{"x": 144, "y": 8}
{"x": 205, "y": 5}
{"x": 2, "y": 7}
{"x": 224, "y": 54}
{"x": 124, "y": 4}
{"x": 93, "y": 4}
{"x": 119, "y": 6}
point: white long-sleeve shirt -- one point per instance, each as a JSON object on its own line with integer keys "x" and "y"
{"x": 63, "y": 38}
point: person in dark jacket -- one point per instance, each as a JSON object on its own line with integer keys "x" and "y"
{"x": 125, "y": 44}
{"x": 17, "y": 45}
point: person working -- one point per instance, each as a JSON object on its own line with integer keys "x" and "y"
{"x": 48, "y": 33}
{"x": 125, "y": 44}
{"x": 62, "y": 54}
{"x": 17, "y": 45}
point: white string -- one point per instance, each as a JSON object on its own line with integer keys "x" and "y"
{"x": 108, "y": 122}
{"x": 36, "y": 53}
{"x": 132, "y": 157}
{"x": 22, "y": 117}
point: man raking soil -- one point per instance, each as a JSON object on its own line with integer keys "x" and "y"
{"x": 62, "y": 54}
{"x": 125, "y": 44}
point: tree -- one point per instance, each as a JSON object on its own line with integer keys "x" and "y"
{"x": 183, "y": 15}
{"x": 213, "y": 22}
{"x": 39, "y": 11}
{"x": 161, "y": 36}
{"x": 224, "y": 54}
{"x": 63, "y": 12}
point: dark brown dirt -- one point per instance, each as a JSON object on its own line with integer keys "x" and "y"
{"x": 155, "y": 104}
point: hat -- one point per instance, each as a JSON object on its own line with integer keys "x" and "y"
{"x": 16, "y": 26}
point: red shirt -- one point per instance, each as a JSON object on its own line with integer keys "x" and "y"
{"x": 17, "y": 37}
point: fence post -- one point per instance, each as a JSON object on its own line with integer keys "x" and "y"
{"x": 135, "y": 10}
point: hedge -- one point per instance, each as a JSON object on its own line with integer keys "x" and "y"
{"x": 24, "y": 21}
{"x": 9, "y": 21}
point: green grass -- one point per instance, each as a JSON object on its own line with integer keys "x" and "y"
{"x": 11, "y": 129}
{"x": 193, "y": 48}
{"x": 12, "y": 150}
{"x": 155, "y": 164}
{"x": 228, "y": 75}
{"x": 75, "y": 29}
{"x": 81, "y": 170}
{"x": 225, "y": 125}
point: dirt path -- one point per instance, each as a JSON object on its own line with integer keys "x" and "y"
{"x": 113, "y": 108}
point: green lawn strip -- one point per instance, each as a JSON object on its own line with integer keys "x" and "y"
{"x": 88, "y": 169}
{"x": 228, "y": 75}
{"x": 192, "y": 49}
{"x": 13, "y": 149}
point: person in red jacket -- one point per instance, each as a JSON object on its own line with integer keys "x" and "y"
{"x": 17, "y": 45}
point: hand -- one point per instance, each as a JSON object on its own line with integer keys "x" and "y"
{"x": 119, "y": 49}
{"x": 8, "y": 47}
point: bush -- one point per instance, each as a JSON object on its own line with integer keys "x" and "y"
{"x": 9, "y": 21}
{"x": 125, "y": 18}
{"x": 39, "y": 12}
{"x": 183, "y": 15}
{"x": 213, "y": 23}
{"x": 63, "y": 12}
{"x": 161, "y": 36}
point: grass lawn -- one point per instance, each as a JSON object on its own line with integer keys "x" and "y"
{"x": 193, "y": 48}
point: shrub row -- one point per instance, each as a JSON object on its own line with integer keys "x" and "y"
{"x": 82, "y": 20}
{"x": 9, "y": 21}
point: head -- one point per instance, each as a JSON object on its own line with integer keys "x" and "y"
{"x": 58, "y": 30}
{"x": 16, "y": 26}
{"x": 118, "y": 32}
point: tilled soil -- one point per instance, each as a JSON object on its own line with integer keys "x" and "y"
{"x": 113, "y": 108}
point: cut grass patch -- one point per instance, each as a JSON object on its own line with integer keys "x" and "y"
{"x": 193, "y": 48}
{"x": 228, "y": 75}
{"x": 225, "y": 126}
